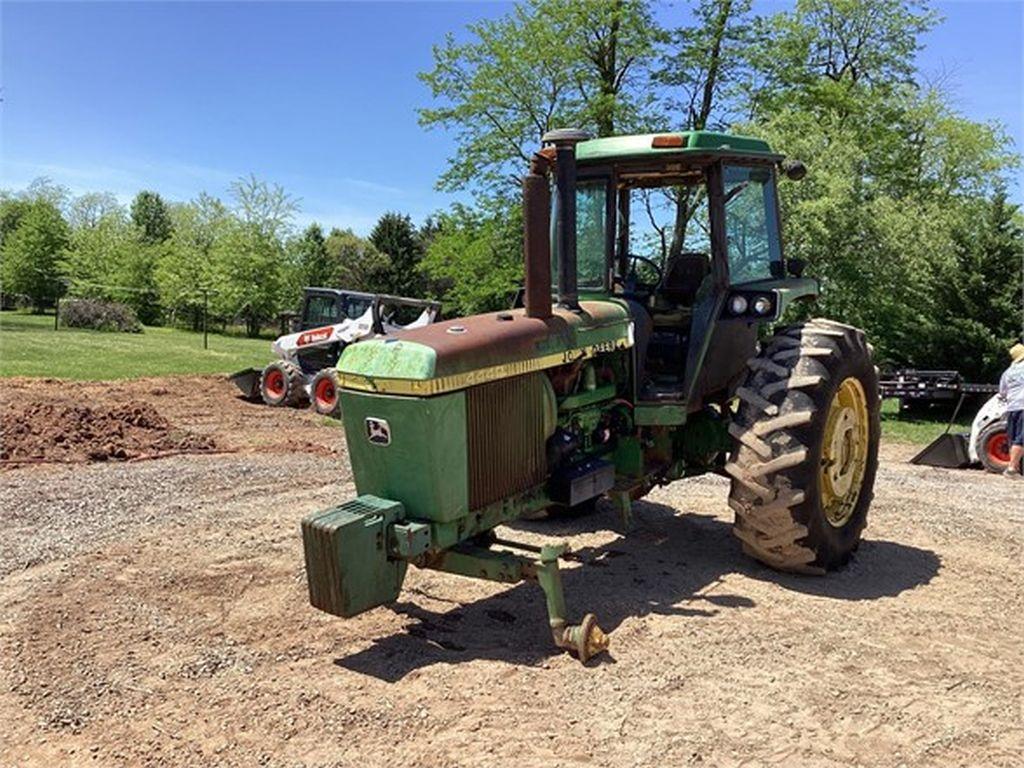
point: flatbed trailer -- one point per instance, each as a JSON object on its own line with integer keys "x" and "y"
{"x": 922, "y": 387}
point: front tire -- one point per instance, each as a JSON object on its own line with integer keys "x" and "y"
{"x": 805, "y": 449}
{"x": 281, "y": 384}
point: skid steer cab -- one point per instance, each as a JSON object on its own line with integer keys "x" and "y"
{"x": 640, "y": 356}
{"x": 331, "y": 319}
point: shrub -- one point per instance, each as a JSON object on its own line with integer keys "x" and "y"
{"x": 99, "y": 315}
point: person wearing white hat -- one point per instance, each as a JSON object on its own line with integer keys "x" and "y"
{"x": 1011, "y": 389}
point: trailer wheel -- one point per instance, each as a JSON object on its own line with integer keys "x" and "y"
{"x": 805, "y": 449}
{"x": 324, "y": 391}
{"x": 281, "y": 384}
{"x": 993, "y": 447}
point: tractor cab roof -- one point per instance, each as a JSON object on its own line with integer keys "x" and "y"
{"x": 681, "y": 144}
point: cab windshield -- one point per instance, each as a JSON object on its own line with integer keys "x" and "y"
{"x": 663, "y": 227}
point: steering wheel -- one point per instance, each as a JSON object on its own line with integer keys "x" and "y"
{"x": 632, "y": 284}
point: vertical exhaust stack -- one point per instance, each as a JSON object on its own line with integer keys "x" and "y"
{"x": 537, "y": 238}
{"x": 565, "y": 141}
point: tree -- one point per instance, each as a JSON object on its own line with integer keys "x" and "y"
{"x": 894, "y": 173}
{"x": 395, "y": 237}
{"x": 979, "y": 293}
{"x": 475, "y": 259}
{"x": 265, "y": 207}
{"x": 703, "y": 63}
{"x": 246, "y": 270}
{"x": 152, "y": 217}
{"x": 184, "y": 274}
{"x": 43, "y": 188}
{"x": 11, "y": 211}
{"x": 699, "y": 67}
{"x": 89, "y": 209}
{"x": 249, "y": 267}
{"x": 354, "y": 262}
{"x": 546, "y": 64}
{"x": 107, "y": 261}
{"x": 309, "y": 252}
{"x": 827, "y": 54}
{"x": 31, "y": 253}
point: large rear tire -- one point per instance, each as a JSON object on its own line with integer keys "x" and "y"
{"x": 281, "y": 384}
{"x": 806, "y": 447}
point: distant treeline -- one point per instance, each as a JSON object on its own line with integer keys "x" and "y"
{"x": 167, "y": 261}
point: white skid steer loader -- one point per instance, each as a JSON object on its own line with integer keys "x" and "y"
{"x": 331, "y": 319}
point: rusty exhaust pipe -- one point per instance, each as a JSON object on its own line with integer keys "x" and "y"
{"x": 537, "y": 238}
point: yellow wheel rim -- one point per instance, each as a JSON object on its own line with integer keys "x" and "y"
{"x": 844, "y": 452}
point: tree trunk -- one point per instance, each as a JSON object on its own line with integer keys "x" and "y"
{"x": 699, "y": 118}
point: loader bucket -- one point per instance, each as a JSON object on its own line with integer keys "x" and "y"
{"x": 948, "y": 450}
{"x": 248, "y": 381}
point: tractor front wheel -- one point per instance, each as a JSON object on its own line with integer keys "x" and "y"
{"x": 281, "y": 384}
{"x": 806, "y": 447}
{"x": 325, "y": 390}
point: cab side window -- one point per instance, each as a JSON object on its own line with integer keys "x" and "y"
{"x": 751, "y": 224}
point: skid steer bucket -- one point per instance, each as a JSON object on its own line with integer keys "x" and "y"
{"x": 248, "y": 381}
{"x": 948, "y": 450}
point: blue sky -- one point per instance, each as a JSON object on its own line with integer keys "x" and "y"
{"x": 321, "y": 97}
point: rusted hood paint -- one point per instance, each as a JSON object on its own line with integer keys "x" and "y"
{"x": 502, "y": 343}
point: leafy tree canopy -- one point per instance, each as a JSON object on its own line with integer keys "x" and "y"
{"x": 32, "y": 250}
{"x": 152, "y": 217}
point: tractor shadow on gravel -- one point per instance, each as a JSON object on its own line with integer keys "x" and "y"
{"x": 672, "y": 564}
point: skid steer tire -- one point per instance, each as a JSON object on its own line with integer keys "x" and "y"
{"x": 993, "y": 447}
{"x": 324, "y": 393}
{"x": 805, "y": 450}
{"x": 281, "y": 384}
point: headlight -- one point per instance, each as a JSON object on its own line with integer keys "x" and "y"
{"x": 762, "y": 305}
{"x": 738, "y": 305}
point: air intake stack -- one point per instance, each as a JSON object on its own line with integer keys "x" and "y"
{"x": 564, "y": 141}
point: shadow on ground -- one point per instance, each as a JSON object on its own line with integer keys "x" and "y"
{"x": 663, "y": 567}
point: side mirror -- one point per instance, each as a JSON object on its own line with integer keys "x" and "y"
{"x": 794, "y": 169}
{"x": 796, "y": 267}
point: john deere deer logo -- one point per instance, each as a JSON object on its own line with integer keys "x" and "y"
{"x": 377, "y": 431}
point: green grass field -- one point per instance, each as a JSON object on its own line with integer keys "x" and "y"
{"x": 30, "y": 347}
{"x": 920, "y": 429}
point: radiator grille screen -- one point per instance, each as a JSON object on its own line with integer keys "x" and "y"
{"x": 505, "y": 421}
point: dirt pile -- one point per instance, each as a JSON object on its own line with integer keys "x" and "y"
{"x": 43, "y": 431}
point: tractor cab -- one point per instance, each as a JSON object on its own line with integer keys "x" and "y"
{"x": 684, "y": 229}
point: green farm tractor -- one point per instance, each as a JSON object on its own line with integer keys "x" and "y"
{"x": 650, "y": 361}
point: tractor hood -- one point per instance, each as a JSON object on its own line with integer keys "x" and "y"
{"x": 455, "y": 354}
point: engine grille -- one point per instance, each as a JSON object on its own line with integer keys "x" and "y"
{"x": 505, "y": 424}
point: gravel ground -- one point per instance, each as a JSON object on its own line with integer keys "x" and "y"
{"x": 154, "y": 613}
{"x": 80, "y": 508}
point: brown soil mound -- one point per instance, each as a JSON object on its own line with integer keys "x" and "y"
{"x": 71, "y": 433}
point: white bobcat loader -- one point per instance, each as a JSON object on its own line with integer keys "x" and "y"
{"x": 331, "y": 319}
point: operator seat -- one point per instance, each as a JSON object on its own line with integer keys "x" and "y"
{"x": 684, "y": 275}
